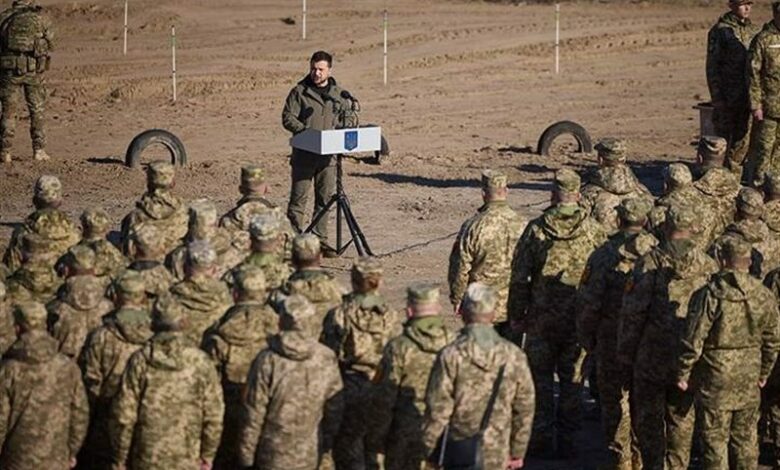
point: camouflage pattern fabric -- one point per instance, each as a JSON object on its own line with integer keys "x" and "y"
{"x": 770, "y": 400}
{"x": 687, "y": 196}
{"x": 766, "y": 251}
{"x": 79, "y": 310}
{"x": 156, "y": 278}
{"x": 460, "y": 385}
{"x": 606, "y": 188}
{"x": 483, "y": 251}
{"x": 275, "y": 269}
{"x": 399, "y": 396}
{"x": 719, "y": 188}
{"x": 7, "y": 332}
{"x": 764, "y": 88}
{"x": 228, "y": 256}
{"x": 162, "y": 210}
{"x": 109, "y": 261}
{"x": 54, "y": 227}
{"x": 205, "y": 300}
{"x": 317, "y": 285}
{"x": 39, "y": 385}
{"x": 238, "y": 220}
{"x": 34, "y": 281}
{"x": 168, "y": 411}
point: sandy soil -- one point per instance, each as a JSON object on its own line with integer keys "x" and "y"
{"x": 471, "y": 85}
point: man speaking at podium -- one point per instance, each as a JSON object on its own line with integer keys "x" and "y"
{"x": 316, "y": 102}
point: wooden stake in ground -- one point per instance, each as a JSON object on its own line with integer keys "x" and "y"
{"x": 384, "y": 55}
{"x": 303, "y": 22}
{"x": 124, "y": 47}
{"x": 173, "y": 60}
{"x": 557, "y": 37}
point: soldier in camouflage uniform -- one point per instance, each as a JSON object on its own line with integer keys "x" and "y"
{"x": 611, "y": 183}
{"x": 310, "y": 279}
{"x": 50, "y": 223}
{"x": 732, "y": 337}
{"x": 148, "y": 249}
{"x": 679, "y": 191}
{"x": 718, "y": 187}
{"x": 109, "y": 261}
{"x": 727, "y": 58}
{"x": 750, "y": 227}
{"x": 600, "y": 299}
{"x": 43, "y": 408}
{"x": 36, "y": 279}
{"x": 203, "y": 226}
{"x": 253, "y": 203}
{"x": 548, "y": 264}
{"x": 770, "y": 400}
{"x": 26, "y": 40}
{"x": 483, "y": 250}
{"x": 652, "y": 316}
{"x": 764, "y": 94}
{"x": 103, "y": 359}
{"x": 158, "y": 208}
{"x": 233, "y": 343}
{"x": 772, "y": 206}
{"x": 357, "y": 331}
{"x": 267, "y": 240}
{"x": 293, "y": 403}
{"x": 203, "y": 296}
{"x": 463, "y": 378}
{"x": 81, "y": 303}
{"x": 402, "y": 378}
{"x": 167, "y": 413}
{"x": 7, "y": 332}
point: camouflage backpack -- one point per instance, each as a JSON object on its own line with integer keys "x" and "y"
{"x": 23, "y": 32}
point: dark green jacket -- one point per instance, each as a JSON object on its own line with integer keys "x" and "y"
{"x": 727, "y": 52}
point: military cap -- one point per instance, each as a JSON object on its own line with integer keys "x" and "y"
{"x": 167, "y": 313}
{"x": 306, "y": 247}
{"x": 772, "y": 184}
{"x": 48, "y": 189}
{"x": 493, "y": 179}
{"x": 634, "y": 210}
{"x": 611, "y": 149}
{"x": 480, "y": 299}
{"x": 200, "y": 253}
{"x": 81, "y": 258}
{"x": 252, "y": 176}
{"x": 712, "y": 147}
{"x": 148, "y": 238}
{"x": 677, "y": 175}
{"x": 95, "y": 221}
{"x": 296, "y": 312}
{"x": 160, "y": 174}
{"x": 251, "y": 279}
{"x": 422, "y": 295}
{"x": 681, "y": 218}
{"x": 265, "y": 227}
{"x": 32, "y": 315}
{"x": 735, "y": 247}
{"x": 203, "y": 213}
{"x": 750, "y": 202}
{"x": 131, "y": 283}
{"x": 366, "y": 266}
{"x": 567, "y": 181}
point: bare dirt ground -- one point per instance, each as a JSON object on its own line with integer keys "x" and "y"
{"x": 470, "y": 86}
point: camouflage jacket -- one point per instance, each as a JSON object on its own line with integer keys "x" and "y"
{"x": 317, "y": 285}
{"x": 732, "y": 336}
{"x": 399, "y": 400}
{"x": 109, "y": 261}
{"x": 684, "y": 197}
{"x": 766, "y": 251}
{"x": 52, "y": 225}
{"x": 205, "y": 300}
{"x": 482, "y": 252}
{"x": 275, "y": 269}
{"x": 228, "y": 256}
{"x": 156, "y": 278}
{"x": 655, "y": 306}
{"x": 234, "y": 342}
{"x": 358, "y": 330}
{"x": 606, "y": 188}
{"x": 43, "y": 407}
{"x": 462, "y": 380}
{"x": 764, "y": 71}
{"x": 547, "y": 267}
{"x": 168, "y": 411}
{"x": 36, "y": 281}
{"x": 719, "y": 188}
{"x": 601, "y": 292}
{"x": 727, "y": 57}
{"x": 161, "y": 209}
{"x": 293, "y": 406}
{"x": 7, "y": 331}
{"x": 238, "y": 220}
{"x": 79, "y": 310}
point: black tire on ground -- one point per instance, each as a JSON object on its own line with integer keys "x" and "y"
{"x": 382, "y": 154}
{"x": 155, "y": 136}
{"x": 560, "y": 128}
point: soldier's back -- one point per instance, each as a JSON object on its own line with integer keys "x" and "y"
{"x": 79, "y": 310}
{"x": 205, "y": 301}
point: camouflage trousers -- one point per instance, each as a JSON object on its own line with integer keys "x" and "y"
{"x": 730, "y": 439}
{"x": 763, "y": 158}
{"x": 32, "y": 87}
{"x": 733, "y": 123}
{"x": 616, "y": 414}
{"x": 308, "y": 169}
{"x": 349, "y": 449}
{"x": 548, "y": 358}
{"x": 680, "y": 422}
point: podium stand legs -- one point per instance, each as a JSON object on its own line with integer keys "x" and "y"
{"x": 343, "y": 214}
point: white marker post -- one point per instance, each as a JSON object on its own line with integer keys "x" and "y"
{"x": 303, "y": 21}
{"x": 384, "y": 54}
{"x": 557, "y": 37}
{"x": 124, "y": 47}
{"x": 173, "y": 60}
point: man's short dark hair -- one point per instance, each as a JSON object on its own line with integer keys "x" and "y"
{"x": 319, "y": 56}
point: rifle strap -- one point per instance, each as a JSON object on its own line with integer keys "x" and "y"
{"x": 492, "y": 401}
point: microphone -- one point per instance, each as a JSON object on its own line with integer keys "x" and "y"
{"x": 347, "y": 96}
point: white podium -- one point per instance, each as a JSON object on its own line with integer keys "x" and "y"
{"x": 331, "y": 142}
